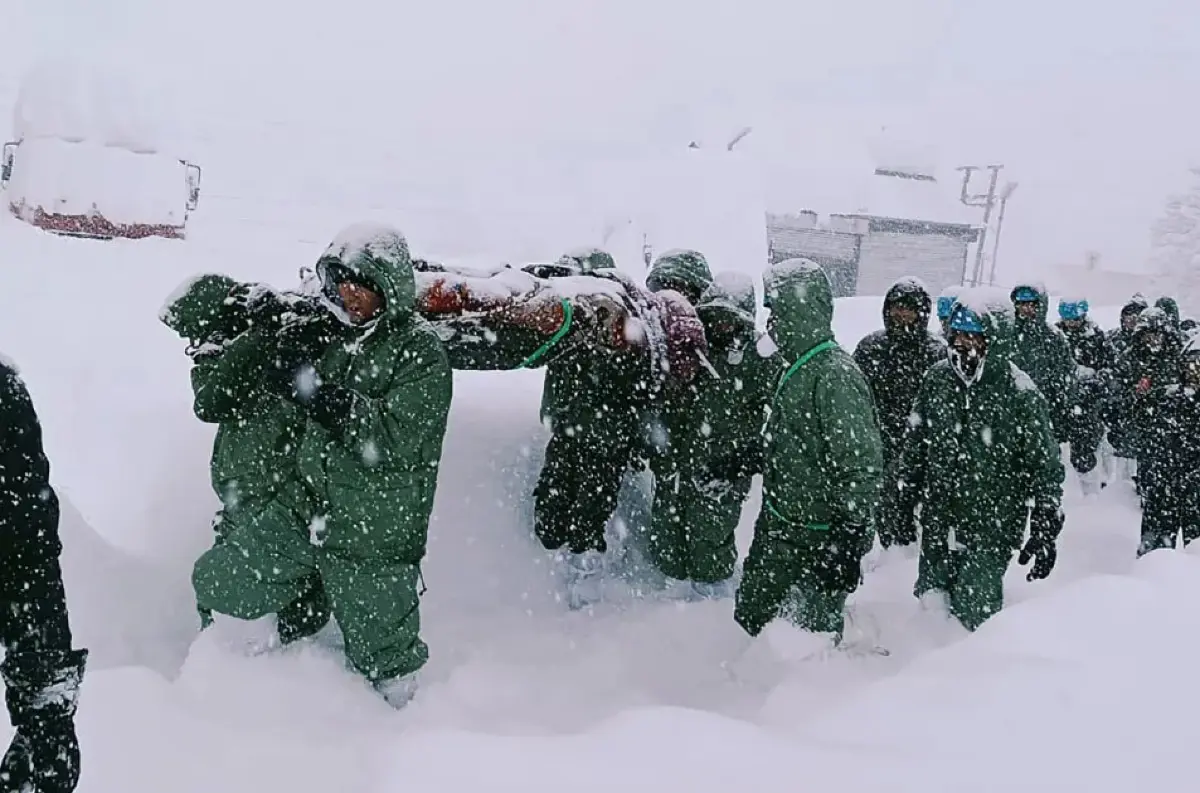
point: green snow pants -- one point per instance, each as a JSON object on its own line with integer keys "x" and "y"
{"x": 267, "y": 563}
{"x": 780, "y": 580}
{"x": 578, "y": 487}
{"x": 692, "y": 526}
{"x": 971, "y": 579}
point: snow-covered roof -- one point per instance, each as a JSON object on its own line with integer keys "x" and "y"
{"x": 857, "y": 189}
{"x": 910, "y": 199}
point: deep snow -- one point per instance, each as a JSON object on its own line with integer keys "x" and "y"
{"x": 1059, "y": 689}
{"x": 1080, "y": 684}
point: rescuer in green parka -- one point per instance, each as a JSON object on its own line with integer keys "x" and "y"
{"x": 374, "y": 404}
{"x": 822, "y": 468}
{"x": 713, "y": 437}
{"x": 234, "y": 332}
{"x": 981, "y": 460}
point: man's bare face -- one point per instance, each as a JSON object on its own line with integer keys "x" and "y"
{"x": 361, "y": 303}
{"x": 1027, "y": 310}
{"x": 902, "y": 317}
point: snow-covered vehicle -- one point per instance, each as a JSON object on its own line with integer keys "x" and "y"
{"x": 81, "y": 189}
{"x": 88, "y": 156}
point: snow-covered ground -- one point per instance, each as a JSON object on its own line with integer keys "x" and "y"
{"x": 1081, "y": 684}
{"x": 1063, "y": 688}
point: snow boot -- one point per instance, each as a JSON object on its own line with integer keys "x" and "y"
{"x": 398, "y": 691}
{"x": 583, "y": 577}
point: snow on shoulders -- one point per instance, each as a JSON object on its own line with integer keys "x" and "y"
{"x": 10, "y": 364}
{"x": 378, "y": 240}
{"x": 1022, "y": 380}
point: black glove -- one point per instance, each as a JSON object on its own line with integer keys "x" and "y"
{"x": 42, "y": 695}
{"x": 329, "y": 405}
{"x": 261, "y": 304}
{"x": 1044, "y": 526}
{"x": 284, "y": 376}
{"x": 841, "y": 570}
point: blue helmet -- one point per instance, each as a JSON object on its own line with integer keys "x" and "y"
{"x": 945, "y": 304}
{"x": 1026, "y": 294}
{"x": 1073, "y": 309}
{"x": 964, "y": 320}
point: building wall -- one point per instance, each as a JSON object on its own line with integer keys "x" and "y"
{"x": 836, "y": 252}
{"x": 887, "y": 256}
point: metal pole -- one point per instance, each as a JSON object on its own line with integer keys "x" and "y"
{"x": 1005, "y": 194}
{"x": 996, "y": 244}
{"x": 989, "y": 202}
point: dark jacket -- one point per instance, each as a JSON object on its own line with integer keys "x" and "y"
{"x": 33, "y": 615}
{"x": 1090, "y": 347}
{"x": 1042, "y": 352}
{"x": 894, "y": 361}
{"x": 979, "y": 455}
{"x": 1142, "y": 374}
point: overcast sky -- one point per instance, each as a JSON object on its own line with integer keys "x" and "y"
{"x": 1091, "y": 106}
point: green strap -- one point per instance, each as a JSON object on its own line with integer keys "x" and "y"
{"x": 805, "y": 358}
{"x": 810, "y": 526}
{"x": 563, "y": 330}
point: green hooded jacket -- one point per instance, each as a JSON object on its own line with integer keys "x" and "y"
{"x": 684, "y": 271}
{"x": 1044, "y": 353}
{"x": 824, "y": 455}
{"x": 715, "y": 425}
{"x": 1170, "y": 307}
{"x": 593, "y": 389}
{"x": 258, "y": 433}
{"x": 374, "y": 479}
{"x": 978, "y": 456}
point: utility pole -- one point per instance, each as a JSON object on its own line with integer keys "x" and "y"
{"x": 987, "y": 201}
{"x": 738, "y": 138}
{"x": 1005, "y": 194}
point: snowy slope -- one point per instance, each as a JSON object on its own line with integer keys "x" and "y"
{"x": 1058, "y": 692}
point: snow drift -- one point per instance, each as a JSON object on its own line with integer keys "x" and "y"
{"x": 524, "y": 688}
